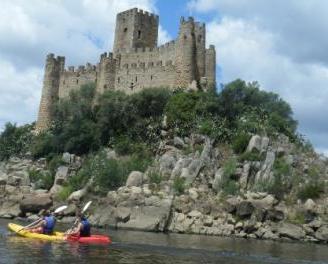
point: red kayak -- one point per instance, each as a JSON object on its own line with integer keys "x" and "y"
{"x": 94, "y": 239}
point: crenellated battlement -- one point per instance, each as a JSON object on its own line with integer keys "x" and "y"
{"x": 81, "y": 68}
{"x": 139, "y": 12}
{"x": 135, "y": 63}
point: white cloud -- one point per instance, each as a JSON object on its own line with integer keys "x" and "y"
{"x": 20, "y": 93}
{"x": 78, "y": 29}
{"x": 255, "y": 42}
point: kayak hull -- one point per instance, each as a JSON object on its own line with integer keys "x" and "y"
{"x": 59, "y": 236}
{"x": 94, "y": 239}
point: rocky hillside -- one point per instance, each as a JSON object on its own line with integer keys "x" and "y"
{"x": 272, "y": 190}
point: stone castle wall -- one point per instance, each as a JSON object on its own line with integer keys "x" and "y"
{"x": 136, "y": 62}
{"x": 72, "y": 79}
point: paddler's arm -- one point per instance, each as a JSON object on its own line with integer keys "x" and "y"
{"x": 38, "y": 224}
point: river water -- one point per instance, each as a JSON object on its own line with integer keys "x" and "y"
{"x": 155, "y": 248}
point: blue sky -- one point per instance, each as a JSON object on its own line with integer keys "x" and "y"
{"x": 281, "y": 44}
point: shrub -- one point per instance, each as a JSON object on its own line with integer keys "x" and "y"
{"x": 251, "y": 156}
{"x": 41, "y": 179}
{"x": 155, "y": 177}
{"x": 15, "y": 140}
{"x": 43, "y": 145}
{"x": 312, "y": 190}
{"x": 240, "y": 142}
{"x": 64, "y": 193}
{"x": 228, "y": 185}
{"x": 179, "y": 185}
{"x": 54, "y": 161}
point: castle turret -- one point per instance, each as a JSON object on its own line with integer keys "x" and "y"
{"x": 200, "y": 38}
{"x": 106, "y": 73}
{"x": 135, "y": 29}
{"x": 186, "y": 54}
{"x": 210, "y": 66}
{"x": 53, "y": 68}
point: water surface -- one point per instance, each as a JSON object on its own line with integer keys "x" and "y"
{"x": 141, "y": 247}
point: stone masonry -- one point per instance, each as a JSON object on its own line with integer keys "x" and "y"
{"x": 136, "y": 63}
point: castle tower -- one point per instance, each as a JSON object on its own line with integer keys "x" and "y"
{"x": 186, "y": 54}
{"x": 53, "y": 68}
{"x": 210, "y": 66}
{"x": 106, "y": 73}
{"x": 200, "y": 38}
{"x": 135, "y": 29}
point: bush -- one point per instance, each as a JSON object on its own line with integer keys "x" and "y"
{"x": 228, "y": 184}
{"x": 240, "y": 142}
{"x": 251, "y": 156}
{"x": 64, "y": 193}
{"x": 43, "y": 145}
{"x": 312, "y": 190}
{"x": 179, "y": 185}
{"x": 14, "y": 140}
{"x": 41, "y": 179}
{"x": 155, "y": 177}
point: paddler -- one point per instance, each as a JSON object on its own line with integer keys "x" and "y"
{"x": 83, "y": 228}
{"x": 46, "y": 225}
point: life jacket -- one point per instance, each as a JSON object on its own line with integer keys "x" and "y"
{"x": 86, "y": 229}
{"x": 50, "y": 225}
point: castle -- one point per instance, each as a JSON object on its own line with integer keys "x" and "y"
{"x": 135, "y": 63}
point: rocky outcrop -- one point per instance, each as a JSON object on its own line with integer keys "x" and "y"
{"x": 35, "y": 203}
{"x": 201, "y": 204}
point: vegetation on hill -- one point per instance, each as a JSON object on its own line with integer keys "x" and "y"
{"x": 131, "y": 124}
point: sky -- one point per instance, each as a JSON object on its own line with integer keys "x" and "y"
{"x": 281, "y": 44}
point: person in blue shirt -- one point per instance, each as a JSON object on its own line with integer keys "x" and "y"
{"x": 83, "y": 228}
{"x": 45, "y": 225}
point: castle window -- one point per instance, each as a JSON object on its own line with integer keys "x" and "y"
{"x": 64, "y": 82}
{"x": 125, "y": 30}
{"x": 184, "y": 37}
{"x": 139, "y": 34}
{"x": 77, "y": 81}
{"x": 151, "y": 77}
{"x": 136, "y": 78}
{"x": 199, "y": 38}
{"x": 118, "y": 79}
{"x": 105, "y": 86}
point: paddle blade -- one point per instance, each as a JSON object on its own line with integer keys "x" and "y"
{"x": 60, "y": 209}
{"x": 86, "y": 206}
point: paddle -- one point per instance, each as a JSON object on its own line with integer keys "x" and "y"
{"x": 58, "y": 210}
{"x": 83, "y": 211}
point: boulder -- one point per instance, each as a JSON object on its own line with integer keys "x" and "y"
{"x": 182, "y": 163}
{"x": 266, "y": 203}
{"x": 310, "y": 206}
{"x": 35, "y": 203}
{"x": 148, "y": 218}
{"x": 244, "y": 209}
{"x": 166, "y": 164}
{"x": 178, "y": 142}
{"x": 77, "y": 195}
{"x": 9, "y": 209}
{"x": 230, "y": 205}
{"x": 68, "y": 158}
{"x": 123, "y": 214}
{"x": 217, "y": 179}
{"x": 61, "y": 175}
{"x": 135, "y": 179}
{"x": 291, "y": 231}
{"x": 322, "y": 233}
{"x": 19, "y": 178}
{"x": 275, "y": 215}
{"x": 254, "y": 144}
